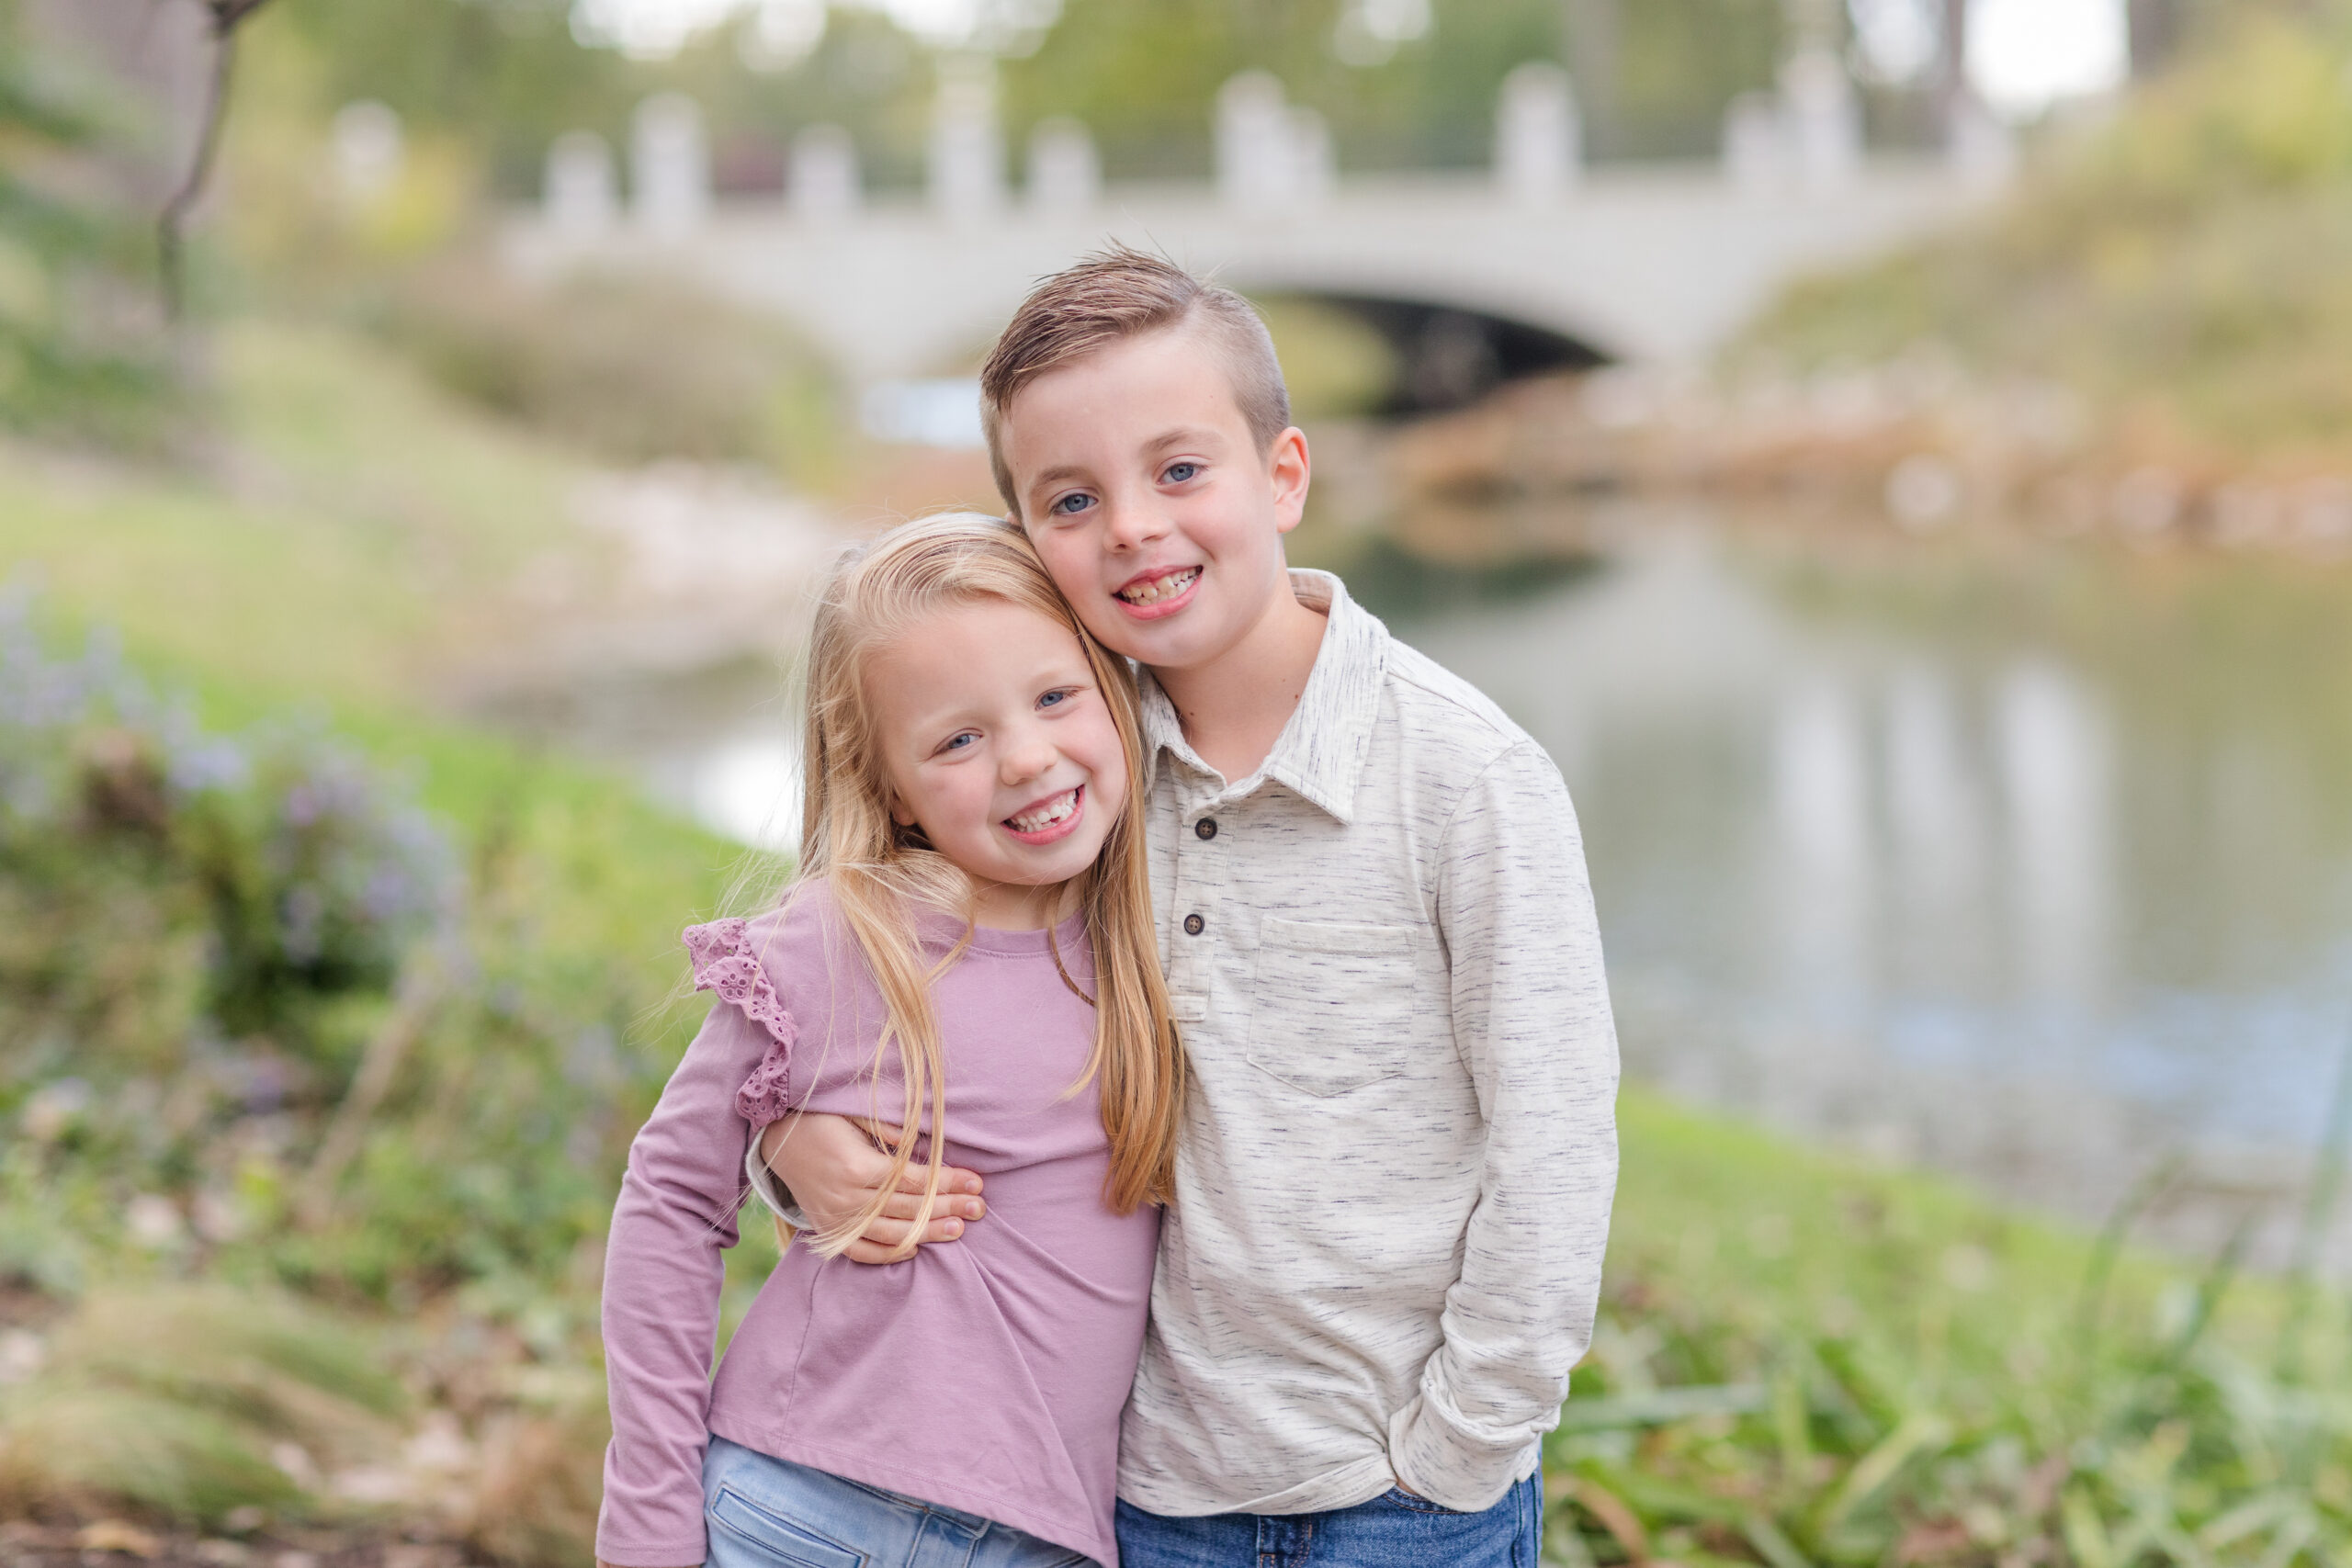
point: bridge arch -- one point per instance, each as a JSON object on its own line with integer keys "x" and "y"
{"x": 1448, "y": 355}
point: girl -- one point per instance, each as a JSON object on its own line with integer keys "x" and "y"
{"x": 966, "y": 955}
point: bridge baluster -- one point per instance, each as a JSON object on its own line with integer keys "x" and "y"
{"x": 1270, "y": 156}
{"x": 578, "y": 200}
{"x": 966, "y": 149}
{"x": 1538, "y": 140}
{"x": 825, "y": 180}
{"x": 669, "y": 167}
{"x": 1064, "y": 175}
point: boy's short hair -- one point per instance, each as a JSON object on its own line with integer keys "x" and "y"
{"x": 1117, "y": 294}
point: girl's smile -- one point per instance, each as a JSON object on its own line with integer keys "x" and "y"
{"x": 1056, "y": 818}
{"x": 996, "y": 742}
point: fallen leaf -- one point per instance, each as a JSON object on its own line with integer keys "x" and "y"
{"x": 114, "y": 1535}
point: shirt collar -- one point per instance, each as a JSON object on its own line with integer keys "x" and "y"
{"x": 1319, "y": 755}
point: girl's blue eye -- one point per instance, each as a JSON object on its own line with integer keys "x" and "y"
{"x": 1051, "y": 698}
{"x": 1179, "y": 472}
{"x": 955, "y": 742}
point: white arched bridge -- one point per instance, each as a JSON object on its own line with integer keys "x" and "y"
{"x": 1473, "y": 275}
{"x": 1650, "y": 266}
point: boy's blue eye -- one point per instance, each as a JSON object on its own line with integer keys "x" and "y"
{"x": 1179, "y": 472}
{"x": 1069, "y": 505}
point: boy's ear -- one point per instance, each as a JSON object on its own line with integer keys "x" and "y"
{"x": 1288, "y": 468}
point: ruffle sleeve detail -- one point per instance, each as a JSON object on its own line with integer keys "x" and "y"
{"x": 724, "y": 963}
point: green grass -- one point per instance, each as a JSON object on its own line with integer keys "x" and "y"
{"x": 1805, "y": 1359}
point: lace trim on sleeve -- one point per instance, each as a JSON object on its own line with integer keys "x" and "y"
{"x": 724, "y": 963}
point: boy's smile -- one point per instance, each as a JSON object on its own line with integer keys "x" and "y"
{"x": 1140, "y": 484}
{"x": 1152, "y": 594}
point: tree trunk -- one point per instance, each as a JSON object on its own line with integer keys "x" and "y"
{"x": 1952, "y": 86}
{"x": 171, "y": 226}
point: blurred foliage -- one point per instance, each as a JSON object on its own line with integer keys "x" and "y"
{"x": 202, "y": 932}
{"x": 180, "y": 1404}
{"x": 630, "y": 368}
{"x": 2188, "y": 263}
{"x": 69, "y": 362}
{"x": 505, "y": 75}
{"x": 202, "y": 1054}
{"x": 1145, "y": 78}
{"x": 511, "y": 75}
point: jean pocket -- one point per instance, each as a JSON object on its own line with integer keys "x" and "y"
{"x": 776, "y": 1538}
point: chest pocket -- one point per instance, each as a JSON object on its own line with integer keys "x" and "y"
{"x": 1332, "y": 1009}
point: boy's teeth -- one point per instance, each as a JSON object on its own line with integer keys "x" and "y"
{"x": 1160, "y": 588}
{"x": 1045, "y": 816}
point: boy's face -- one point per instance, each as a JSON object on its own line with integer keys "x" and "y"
{"x": 1148, "y": 500}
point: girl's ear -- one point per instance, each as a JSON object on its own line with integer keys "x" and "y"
{"x": 898, "y": 812}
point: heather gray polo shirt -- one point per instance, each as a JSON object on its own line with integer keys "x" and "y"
{"x": 1394, "y": 1183}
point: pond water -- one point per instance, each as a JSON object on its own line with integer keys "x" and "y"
{"x": 2029, "y": 858}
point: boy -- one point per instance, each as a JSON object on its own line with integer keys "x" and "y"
{"x": 1394, "y": 1187}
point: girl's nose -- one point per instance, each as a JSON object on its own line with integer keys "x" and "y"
{"x": 1026, "y": 757}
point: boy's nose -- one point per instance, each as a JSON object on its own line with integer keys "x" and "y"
{"x": 1133, "y": 524}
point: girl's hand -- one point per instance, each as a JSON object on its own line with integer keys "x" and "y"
{"x": 833, "y": 1167}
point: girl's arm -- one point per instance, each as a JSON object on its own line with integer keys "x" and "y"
{"x": 663, "y": 1272}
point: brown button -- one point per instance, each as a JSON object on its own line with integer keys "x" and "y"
{"x": 1194, "y": 925}
{"x": 1205, "y": 827}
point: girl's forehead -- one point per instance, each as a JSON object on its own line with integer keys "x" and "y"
{"x": 969, "y": 644}
{"x": 987, "y": 616}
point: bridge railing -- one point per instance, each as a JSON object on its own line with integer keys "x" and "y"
{"x": 1802, "y": 142}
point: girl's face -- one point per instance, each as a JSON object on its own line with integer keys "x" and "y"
{"x": 997, "y": 742}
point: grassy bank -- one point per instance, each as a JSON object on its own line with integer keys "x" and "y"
{"x": 2184, "y": 268}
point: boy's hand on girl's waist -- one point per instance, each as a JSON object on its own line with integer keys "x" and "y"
{"x": 834, "y": 1164}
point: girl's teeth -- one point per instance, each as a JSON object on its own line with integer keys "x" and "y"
{"x": 1048, "y": 814}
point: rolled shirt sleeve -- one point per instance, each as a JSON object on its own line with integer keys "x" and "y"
{"x": 1532, "y": 1020}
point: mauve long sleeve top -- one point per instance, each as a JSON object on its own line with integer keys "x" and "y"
{"x": 987, "y": 1376}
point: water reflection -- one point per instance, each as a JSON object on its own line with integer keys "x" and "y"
{"x": 1940, "y": 886}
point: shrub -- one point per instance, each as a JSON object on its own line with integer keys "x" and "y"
{"x": 631, "y": 368}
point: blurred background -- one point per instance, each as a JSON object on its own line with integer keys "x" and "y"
{"x": 1896, "y": 455}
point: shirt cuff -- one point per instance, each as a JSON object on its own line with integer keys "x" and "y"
{"x": 1453, "y": 1468}
{"x": 769, "y": 1187}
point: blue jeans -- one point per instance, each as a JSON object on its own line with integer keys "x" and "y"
{"x": 1395, "y": 1530}
{"x": 770, "y": 1512}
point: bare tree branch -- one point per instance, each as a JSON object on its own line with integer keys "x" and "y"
{"x": 171, "y": 228}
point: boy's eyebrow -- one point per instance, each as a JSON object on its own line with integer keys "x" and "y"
{"x": 1056, "y": 475}
{"x": 1182, "y": 435}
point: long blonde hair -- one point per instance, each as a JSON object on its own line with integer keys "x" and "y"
{"x": 882, "y": 876}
